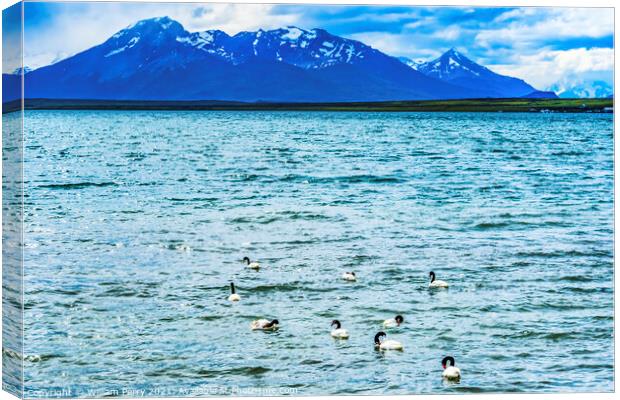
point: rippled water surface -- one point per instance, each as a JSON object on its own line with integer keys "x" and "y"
{"x": 137, "y": 221}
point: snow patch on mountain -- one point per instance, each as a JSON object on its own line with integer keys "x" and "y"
{"x": 293, "y": 33}
{"x": 164, "y": 22}
{"x": 414, "y": 64}
{"x": 198, "y": 39}
{"x": 132, "y": 42}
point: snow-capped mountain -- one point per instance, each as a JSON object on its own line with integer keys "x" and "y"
{"x": 453, "y": 65}
{"x": 157, "y": 59}
{"x": 455, "y": 68}
{"x": 307, "y": 49}
{"x": 415, "y": 64}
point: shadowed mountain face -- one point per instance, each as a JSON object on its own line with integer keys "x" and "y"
{"x": 157, "y": 59}
{"x": 453, "y": 67}
{"x": 11, "y": 87}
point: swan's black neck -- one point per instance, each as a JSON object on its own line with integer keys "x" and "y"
{"x": 378, "y": 336}
{"x": 246, "y": 260}
{"x": 232, "y": 288}
{"x": 399, "y": 319}
{"x": 448, "y": 362}
{"x": 432, "y": 274}
{"x": 337, "y": 323}
{"x": 272, "y": 323}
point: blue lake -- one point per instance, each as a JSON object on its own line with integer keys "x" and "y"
{"x": 137, "y": 221}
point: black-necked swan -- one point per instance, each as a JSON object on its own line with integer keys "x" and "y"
{"x": 436, "y": 283}
{"x": 265, "y": 325}
{"x": 393, "y": 322}
{"x": 250, "y": 264}
{"x": 450, "y": 371}
{"x": 233, "y": 296}
{"x": 339, "y": 332}
{"x": 349, "y": 276}
{"x": 386, "y": 344}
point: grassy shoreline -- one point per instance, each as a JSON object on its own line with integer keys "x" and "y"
{"x": 470, "y": 105}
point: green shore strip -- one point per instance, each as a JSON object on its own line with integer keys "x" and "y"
{"x": 473, "y": 105}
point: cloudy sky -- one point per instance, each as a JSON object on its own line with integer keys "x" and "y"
{"x": 548, "y": 47}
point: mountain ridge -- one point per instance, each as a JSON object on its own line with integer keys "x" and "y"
{"x": 157, "y": 59}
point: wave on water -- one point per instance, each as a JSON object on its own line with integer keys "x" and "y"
{"x": 78, "y": 185}
{"x": 577, "y": 278}
{"x": 514, "y": 224}
{"x": 278, "y": 288}
{"x": 125, "y": 292}
{"x": 345, "y": 179}
{"x": 191, "y": 199}
{"x": 568, "y": 153}
{"x": 283, "y": 216}
{"x": 34, "y": 358}
{"x": 567, "y": 253}
{"x": 353, "y": 179}
{"x": 245, "y": 371}
{"x": 491, "y": 225}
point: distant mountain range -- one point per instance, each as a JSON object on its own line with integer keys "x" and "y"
{"x": 598, "y": 89}
{"x": 157, "y": 59}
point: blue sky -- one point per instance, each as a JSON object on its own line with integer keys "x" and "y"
{"x": 548, "y": 47}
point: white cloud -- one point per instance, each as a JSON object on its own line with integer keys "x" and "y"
{"x": 558, "y": 23}
{"x": 234, "y": 18}
{"x": 396, "y": 44}
{"x": 422, "y": 21}
{"x": 516, "y": 14}
{"x": 450, "y": 33}
{"x": 547, "y": 69}
{"x": 386, "y": 42}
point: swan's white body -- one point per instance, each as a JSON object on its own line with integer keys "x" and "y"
{"x": 390, "y": 323}
{"x": 438, "y": 284}
{"x": 263, "y": 324}
{"x": 348, "y": 276}
{"x": 391, "y": 345}
{"x": 233, "y": 294}
{"x": 451, "y": 373}
{"x": 253, "y": 265}
{"x": 340, "y": 333}
{"x": 234, "y": 297}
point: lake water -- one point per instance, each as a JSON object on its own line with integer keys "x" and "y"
{"x": 137, "y": 221}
